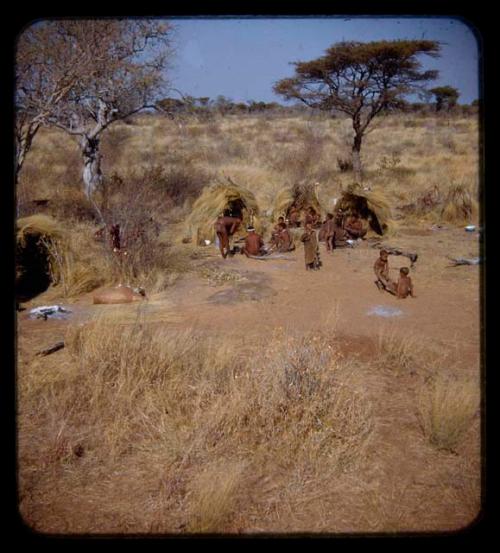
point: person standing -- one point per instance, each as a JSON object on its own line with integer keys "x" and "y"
{"x": 225, "y": 227}
{"x": 311, "y": 254}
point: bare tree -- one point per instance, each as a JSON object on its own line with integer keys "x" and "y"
{"x": 39, "y": 89}
{"x": 119, "y": 70}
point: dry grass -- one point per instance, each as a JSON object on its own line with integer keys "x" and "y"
{"x": 138, "y": 428}
{"x": 215, "y": 429}
{"x": 446, "y": 408}
{"x": 399, "y": 354}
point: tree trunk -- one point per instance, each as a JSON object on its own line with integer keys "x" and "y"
{"x": 92, "y": 174}
{"x": 356, "y": 157}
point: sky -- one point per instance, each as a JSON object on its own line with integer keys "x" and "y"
{"x": 242, "y": 58}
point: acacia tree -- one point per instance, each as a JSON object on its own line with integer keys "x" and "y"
{"x": 120, "y": 72}
{"x": 445, "y": 96}
{"x": 360, "y": 79}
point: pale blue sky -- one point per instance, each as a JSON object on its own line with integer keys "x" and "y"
{"x": 242, "y": 58}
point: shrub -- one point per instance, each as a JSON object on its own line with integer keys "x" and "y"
{"x": 459, "y": 206}
{"x": 344, "y": 164}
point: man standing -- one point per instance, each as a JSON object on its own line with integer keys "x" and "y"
{"x": 225, "y": 227}
{"x": 329, "y": 232}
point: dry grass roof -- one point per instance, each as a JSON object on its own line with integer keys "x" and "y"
{"x": 300, "y": 195}
{"x": 212, "y": 203}
{"x": 372, "y": 206}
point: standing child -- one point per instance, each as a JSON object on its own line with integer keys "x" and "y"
{"x": 329, "y": 230}
{"x": 381, "y": 269}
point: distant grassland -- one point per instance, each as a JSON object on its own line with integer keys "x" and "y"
{"x": 155, "y": 168}
{"x": 405, "y": 155}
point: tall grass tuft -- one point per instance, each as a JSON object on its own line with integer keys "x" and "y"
{"x": 446, "y": 408}
{"x": 459, "y": 205}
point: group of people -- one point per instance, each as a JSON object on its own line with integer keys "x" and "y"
{"x": 402, "y": 288}
{"x": 337, "y": 231}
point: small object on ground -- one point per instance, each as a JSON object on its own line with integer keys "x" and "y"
{"x": 384, "y": 311}
{"x": 207, "y": 242}
{"x": 396, "y": 251}
{"x": 41, "y": 202}
{"x": 46, "y": 311}
{"x": 272, "y": 256}
{"x": 351, "y": 242}
{"x": 464, "y": 261}
{"x": 78, "y": 450}
{"x": 56, "y": 347}
{"x": 470, "y": 228}
{"x": 120, "y": 294}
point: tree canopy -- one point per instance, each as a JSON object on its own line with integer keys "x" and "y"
{"x": 446, "y": 97}
{"x": 360, "y": 79}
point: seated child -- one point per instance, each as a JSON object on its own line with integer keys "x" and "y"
{"x": 404, "y": 287}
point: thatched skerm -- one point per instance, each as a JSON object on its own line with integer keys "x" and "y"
{"x": 35, "y": 268}
{"x": 300, "y": 195}
{"x": 218, "y": 199}
{"x": 370, "y": 206}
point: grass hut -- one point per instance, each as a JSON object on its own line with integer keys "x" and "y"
{"x": 373, "y": 207}
{"x": 64, "y": 260}
{"x": 216, "y": 199}
{"x": 37, "y": 237}
{"x": 300, "y": 195}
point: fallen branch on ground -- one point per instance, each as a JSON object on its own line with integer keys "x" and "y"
{"x": 464, "y": 261}
{"x": 56, "y": 347}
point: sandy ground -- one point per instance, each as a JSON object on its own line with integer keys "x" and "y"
{"x": 342, "y": 298}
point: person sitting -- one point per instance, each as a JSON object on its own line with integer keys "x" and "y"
{"x": 294, "y": 217}
{"x": 254, "y": 245}
{"x": 404, "y": 286}
{"x": 340, "y": 235}
{"x": 354, "y": 227}
{"x": 285, "y": 240}
{"x": 273, "y": 242}
{"x": 312, "y": 217}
